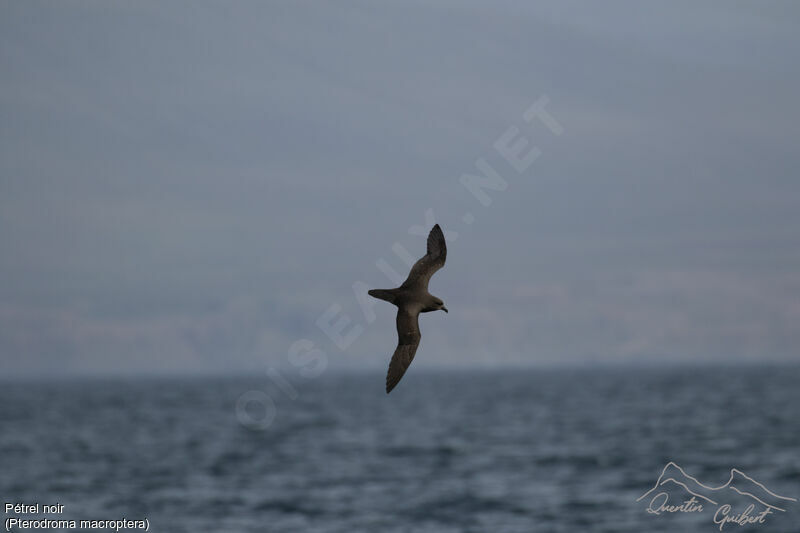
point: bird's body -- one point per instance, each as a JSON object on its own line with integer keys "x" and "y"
{"x": 411, "y": 299}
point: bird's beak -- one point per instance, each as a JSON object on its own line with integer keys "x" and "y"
{"x": 444, "y": 309}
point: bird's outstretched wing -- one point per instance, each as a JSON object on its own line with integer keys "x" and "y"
{"x": 423, "y": 269}
{"x": 408, "y": 337}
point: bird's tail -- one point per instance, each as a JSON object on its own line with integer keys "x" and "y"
{"x": 383, "y": 294}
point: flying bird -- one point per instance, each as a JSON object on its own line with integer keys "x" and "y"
{"x": 411, "y": 299}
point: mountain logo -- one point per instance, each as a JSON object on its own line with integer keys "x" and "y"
{"x": 741, "y": 491}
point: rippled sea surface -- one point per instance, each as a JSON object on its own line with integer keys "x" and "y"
{"x": 534, "y": 450}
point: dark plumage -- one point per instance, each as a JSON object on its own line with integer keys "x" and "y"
{"x": 411, "y": 299}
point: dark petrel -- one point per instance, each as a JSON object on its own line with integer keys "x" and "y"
{"x": 411, "y": 299}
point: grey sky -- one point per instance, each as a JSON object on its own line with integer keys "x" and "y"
{"x": 187, "y": 188}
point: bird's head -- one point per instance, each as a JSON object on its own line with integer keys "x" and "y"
{"x": 439, "y": 305}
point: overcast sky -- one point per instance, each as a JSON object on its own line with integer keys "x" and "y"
{"x": 189, "y": 187}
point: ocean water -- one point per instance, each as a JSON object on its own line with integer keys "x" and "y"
{"x": 535, "y": 450}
